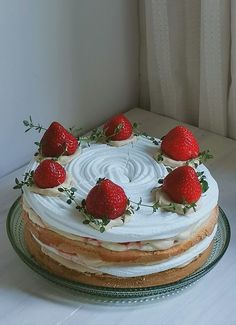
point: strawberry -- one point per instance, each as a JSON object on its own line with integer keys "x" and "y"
{"x": 182, "y": 185}
{"x": 106, "y": 199}
{"x": 49, "y": 174}
{"x": 57, "y": 141}
{"x": 118, "y": 128}
{"x": 180, "y": 144}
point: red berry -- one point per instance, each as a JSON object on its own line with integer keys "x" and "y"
{"x": 49, "y": 174}
{"x": 106, "y": 199}
{"x": 182, "y": 185}
{"x": 180, "y": 144}
{"x": 57, "y": 141}
{"x": 118, "y": 128}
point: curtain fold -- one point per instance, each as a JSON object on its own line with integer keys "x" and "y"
{"x": 186, "y": 68}
{"x": 232, "y": 77}
{"x": 214, "y": 65}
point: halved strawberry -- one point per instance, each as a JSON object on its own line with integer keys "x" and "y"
{"x": 49, "y": 174}
{"x": 57, "y": 141}
{"x": 182, "y": 185}
{"x": 180, "y": 144}
{"x": 106, "y": 199}
{"x": 118, "y": 128}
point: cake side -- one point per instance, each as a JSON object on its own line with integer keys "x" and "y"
{"x": 106, "y": 280}
{"x": 108, "y": 252}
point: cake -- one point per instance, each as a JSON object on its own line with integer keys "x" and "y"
{"x": 153, "y": 242}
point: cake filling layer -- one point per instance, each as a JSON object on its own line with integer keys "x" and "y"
{"x": 80, "y": 264}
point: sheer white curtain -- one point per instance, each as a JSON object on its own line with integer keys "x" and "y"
{"x": 188, "y": 61}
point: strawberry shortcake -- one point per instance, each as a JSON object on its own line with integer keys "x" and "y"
{"x": 120, "y": 213}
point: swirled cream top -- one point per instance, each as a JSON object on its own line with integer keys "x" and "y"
{"x": 133, "y": 167}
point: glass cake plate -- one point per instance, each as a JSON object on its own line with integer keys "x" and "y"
{"x": 15, "y": 230}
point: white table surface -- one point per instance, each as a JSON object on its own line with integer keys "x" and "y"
{"x": 26, "y": 298}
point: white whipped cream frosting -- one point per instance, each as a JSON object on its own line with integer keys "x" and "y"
{"x": 164, "y": 201}
{"x": 51, "y": 191}
{"x": 63, "y": 160}
{"x": 133, "y": 167}
{"x": 120, "y": 143}
{"x": 148, "y": 245}
{"x": 175, "y": 163}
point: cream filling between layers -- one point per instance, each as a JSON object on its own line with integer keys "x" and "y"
{"x": 81, "y": 264}
{"x": 141, "y": 245}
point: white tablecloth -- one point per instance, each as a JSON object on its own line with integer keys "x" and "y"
{"x": 26, "y": 298}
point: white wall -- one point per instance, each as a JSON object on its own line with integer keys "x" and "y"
{"x": 75, "y": 61}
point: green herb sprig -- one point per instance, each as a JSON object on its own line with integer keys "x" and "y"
{"x": 97, "y": 135}
{"x": 203, "y": 181}
{"x": 75, "y": 131}
{"x": 101, "y": 223}
{"x": 169, "y": 207}
{"x": 27, "y": 181}
{"x": 144, "y": 134}
{"x": 30, "y": 125}
{"x": 38, "y": 127}
{"x": 37, "y": 153}
{"x": 154, "y": 140}
{"x": 140, "y": 204}
{"x": 204, "y": 156}
{"x": 159, "y": 157}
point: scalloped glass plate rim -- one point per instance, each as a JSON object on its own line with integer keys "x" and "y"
{"x": 116, "y": 293}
